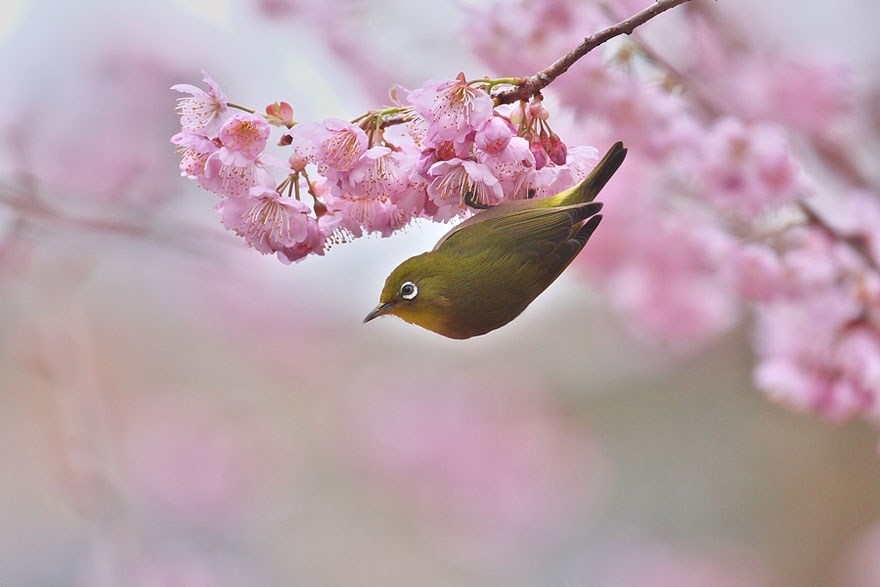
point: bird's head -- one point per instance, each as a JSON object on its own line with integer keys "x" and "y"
{"x": 411, "y": 292}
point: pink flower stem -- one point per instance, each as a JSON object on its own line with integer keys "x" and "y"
{"x": 533, "y": 84}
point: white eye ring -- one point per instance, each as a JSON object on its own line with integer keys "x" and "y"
{"x": 409, "y": 290}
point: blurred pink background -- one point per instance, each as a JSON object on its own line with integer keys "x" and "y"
{"x": 176, "y": 410}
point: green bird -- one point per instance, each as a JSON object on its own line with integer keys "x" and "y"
{"x": 485, "y": 271}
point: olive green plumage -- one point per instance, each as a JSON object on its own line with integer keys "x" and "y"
{"x": 484, "y": 272}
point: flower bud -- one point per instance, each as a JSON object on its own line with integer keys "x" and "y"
{"x": 540, "y": 153}
{"x": 537, "y": 110}
{"x": 558, "y": 151}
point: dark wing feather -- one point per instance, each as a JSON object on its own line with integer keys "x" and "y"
{"x": 565, "y": 253}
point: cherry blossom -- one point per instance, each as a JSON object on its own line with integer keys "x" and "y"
{"x": 272, "y": 223}
{"x": 202, "y": 112}
{"x": 453, "y": 108}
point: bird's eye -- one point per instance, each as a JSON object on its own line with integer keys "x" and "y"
{"x": 409, "y": 290}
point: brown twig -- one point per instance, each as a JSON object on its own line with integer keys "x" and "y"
{"x": 533, "y": 84}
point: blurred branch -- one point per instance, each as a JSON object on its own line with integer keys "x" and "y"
{"x": 534, "y": 84}
{"x": 27, "y": 206}
{"x": 830, "y": 150}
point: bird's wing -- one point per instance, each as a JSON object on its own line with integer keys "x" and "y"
{"x": 531, "y": 232}
{"x": 503, "y": 209}
{"x": 555, "y": 244}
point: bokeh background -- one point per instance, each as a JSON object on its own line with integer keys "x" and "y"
{"x": 177, "y": 410}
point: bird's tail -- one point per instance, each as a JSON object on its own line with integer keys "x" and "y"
{"x": 589, "y": 188}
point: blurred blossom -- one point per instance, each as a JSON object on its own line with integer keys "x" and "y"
{"x": 660, "y": 567}
{"x": 492, "y": 462}
{"x": 817, "y": 340}
{"x": 660, "y": 268}
{"x": 91, "y": 149}
{"x": 861, "y": 565}
{"x": 806, "y": 95}
{"x": 191, "y": 462}
{"x": 103, "y": 569}
{"x": 748, "y": 169}
{"x": 498, "y": 32}
{"x": 755, "y": 271}
{"x": 345, "y": 35}
{"x": 857, "y": 218}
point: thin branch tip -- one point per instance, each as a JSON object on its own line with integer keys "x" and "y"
{"x": 533, "y": 84}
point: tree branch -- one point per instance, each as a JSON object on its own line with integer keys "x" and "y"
{"x": 535, "y": 83}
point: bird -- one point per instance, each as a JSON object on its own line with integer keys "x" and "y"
{"x": 486, "y": 270}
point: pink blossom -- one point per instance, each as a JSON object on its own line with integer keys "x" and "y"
{"x": 442, "y": 151}
{"x": 453, "y": 108}
{"x": 244, "y": 137}
{"x": 366, "y": 194}
{"x": 271, "y": 223}
{"x": 408, "y": 203}
{"x": 305, "y": 140}
{"x": 341, "y": 145}
{"x": 240, "y": 163}
{"x": 748, "y": 169}
{"x": 202, "y": 112}
{"x": 754, "y": 271}
{"x": 806, "y": 95}
{"x": 494, "y": 135}
{"x": 227, "y": 179}
{"x": 656, "y": 566}
{"x": 457, "y": 179}
{"x": 335, "y": 145}
{"x": 581, "y": 160}
{"x": 809, "y": 364}
{"x": 660, "y": 268}
{"x": 549, "y": 180}
{"x": 361, "y": 213}
{"x": 195, "y": 149}
{"x": 378, "y": 174}
{"x": 818, "y": 341}
{"x": 512, "y": 165}
{"x": 337, "y": 227}
{"x": 313, "y": 244}
{"x": 500, "y": 31}
{"x": 279, "y": 114}
{"x": 857, "y": 217}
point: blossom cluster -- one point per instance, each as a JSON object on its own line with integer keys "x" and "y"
{"x": 444, "y": 150}
{"x": 714, "y": 212}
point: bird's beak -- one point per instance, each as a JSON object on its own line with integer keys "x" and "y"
{"x": 380, "y": 309}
